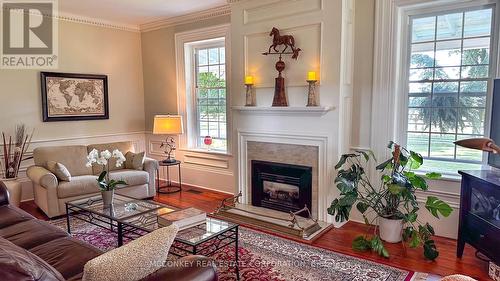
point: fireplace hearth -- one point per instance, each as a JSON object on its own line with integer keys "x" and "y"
{"x": 282, "y": 187}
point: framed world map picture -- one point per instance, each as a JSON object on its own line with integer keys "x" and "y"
{"x": 70, "y": 96}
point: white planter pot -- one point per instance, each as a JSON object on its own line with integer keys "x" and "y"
{"x": 390, "y": 230}
{"x": 107, "y": 197}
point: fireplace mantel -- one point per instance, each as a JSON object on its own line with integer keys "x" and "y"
{"x": 284, "y": 110}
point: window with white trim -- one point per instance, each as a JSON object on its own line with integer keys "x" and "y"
{"x": 450, "y": 70}
{"x": 209, "y": 65}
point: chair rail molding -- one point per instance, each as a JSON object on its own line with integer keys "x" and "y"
{"x": 137, "y": 138}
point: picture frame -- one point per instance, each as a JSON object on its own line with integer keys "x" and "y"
{"x": 74, "y": 96}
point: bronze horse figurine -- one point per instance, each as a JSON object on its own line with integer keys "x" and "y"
{"x": 286, "y": 40}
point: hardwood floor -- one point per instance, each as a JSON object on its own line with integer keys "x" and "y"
{"x": 339, "y": 239}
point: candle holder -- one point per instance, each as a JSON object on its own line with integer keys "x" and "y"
{"x": 311, "y": 96}
{"x": 250, "y": 96}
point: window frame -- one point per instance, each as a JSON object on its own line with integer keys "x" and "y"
{"x": 205, "y": 44}
{"x": 184, "y": 86}
{"x": 403, "y": 67}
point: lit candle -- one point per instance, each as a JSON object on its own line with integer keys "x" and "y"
{"x": 311, "y": 76}
{"x": 248, "y": 80}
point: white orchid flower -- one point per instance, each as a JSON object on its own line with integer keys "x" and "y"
{"x": 106, "y": 154}
{"x": 92, "y": 157}
{"x": 119, "y": 157}
{"x": 102, "y": 161}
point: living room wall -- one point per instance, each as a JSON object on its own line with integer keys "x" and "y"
{"x": 364, "y": 19}
{"x": 90, "y": 49}
{"x": 160, "y": 94}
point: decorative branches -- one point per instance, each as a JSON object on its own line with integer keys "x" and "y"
{"x": 14, "y": 151}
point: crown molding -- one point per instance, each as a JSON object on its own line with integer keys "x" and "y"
{"x": 63, "y": 16}
{"x": 192, "y": 17}
{"x": 167, "y": 22}
{"x": 97, "y": 22}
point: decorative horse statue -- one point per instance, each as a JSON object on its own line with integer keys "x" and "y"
{"x": 286, "y": 40}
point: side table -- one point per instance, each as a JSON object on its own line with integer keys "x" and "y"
{"x": 169, "y": 187}
{"x": 14, "y": 188}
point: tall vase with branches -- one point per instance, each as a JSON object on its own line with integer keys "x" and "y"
{"x": 14, "y": 151}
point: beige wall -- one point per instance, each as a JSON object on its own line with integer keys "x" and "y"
{"x": 364, "y": 24}
{"x": 158, "y": 55}
{"x": 160, "y": 94}
{"x": 82, "y": 49}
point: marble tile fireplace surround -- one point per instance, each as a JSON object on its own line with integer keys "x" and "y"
{"x": 304, "y": 153}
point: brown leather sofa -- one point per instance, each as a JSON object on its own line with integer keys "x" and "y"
{"x": 32, "y": 249}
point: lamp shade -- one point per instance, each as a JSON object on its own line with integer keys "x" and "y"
{"x": 168, "y": 125}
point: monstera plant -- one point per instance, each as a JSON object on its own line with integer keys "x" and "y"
{"x": 392, "y": 201}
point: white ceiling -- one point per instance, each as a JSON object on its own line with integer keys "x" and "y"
{"x": 134, "y": 12}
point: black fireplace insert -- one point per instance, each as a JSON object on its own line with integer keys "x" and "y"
{"x": 282, "y": 187}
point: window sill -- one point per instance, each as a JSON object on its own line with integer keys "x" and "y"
{"x": 204, "y": 151}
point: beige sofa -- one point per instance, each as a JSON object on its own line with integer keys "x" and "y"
{"x": 52, "y": 194}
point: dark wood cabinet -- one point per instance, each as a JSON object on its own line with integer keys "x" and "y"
{"x": 479, "y": 223}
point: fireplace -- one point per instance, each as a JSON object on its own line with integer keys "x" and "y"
{"x": 281, "y": 187}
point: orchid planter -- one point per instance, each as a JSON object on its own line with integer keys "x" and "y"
{"x": 107, "y": 197}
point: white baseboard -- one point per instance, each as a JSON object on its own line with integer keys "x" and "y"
{"x": 201, "y": 187}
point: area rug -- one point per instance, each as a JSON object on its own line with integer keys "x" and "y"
{"x": 265, "y": 257}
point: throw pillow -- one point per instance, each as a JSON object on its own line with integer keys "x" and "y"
{"x": 59, "y": 170}
{"x": 133, "y": 261}
{"x": 134, "y": 161}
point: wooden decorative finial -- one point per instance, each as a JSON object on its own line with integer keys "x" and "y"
{"x": 288, "y": 42}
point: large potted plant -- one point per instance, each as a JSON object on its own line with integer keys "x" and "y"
{"x": 106, "y": 185}
{"x": 392, "y": 202}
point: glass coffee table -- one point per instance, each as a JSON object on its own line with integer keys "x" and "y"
{"x": 131, "y": 218}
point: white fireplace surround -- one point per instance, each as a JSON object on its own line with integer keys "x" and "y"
{"x": 319, "y": 141}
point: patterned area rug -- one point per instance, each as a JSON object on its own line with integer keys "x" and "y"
{"x": 266, "y": 257}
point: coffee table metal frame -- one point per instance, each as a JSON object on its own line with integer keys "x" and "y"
{"x": 128, "y": 227}
{"x": 80, "y": 209}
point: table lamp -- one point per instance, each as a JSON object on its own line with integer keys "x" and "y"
{"x": 168, "y": 125}
{"x": 484, "y": 144}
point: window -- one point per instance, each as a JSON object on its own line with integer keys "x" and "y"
{"x": 210, "y": 94}
{"x": 450, "y": 70}
{"x": 203, "y": 68}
